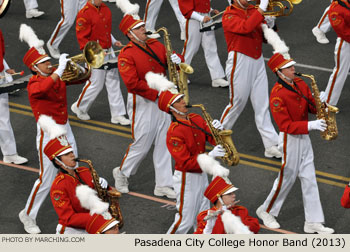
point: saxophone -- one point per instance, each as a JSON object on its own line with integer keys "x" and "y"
{"x": 222, "y": 137}
{"x": 329, "y": 116}
{"x": 178, "y": 78}
{"x": 112, "y": 196}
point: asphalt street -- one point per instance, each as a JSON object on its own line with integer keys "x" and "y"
{"x": 105, "y": 143}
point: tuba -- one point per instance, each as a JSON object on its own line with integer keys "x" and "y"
{"x": 178, "y": 78}
{"x": 93, "y": 56}
{"x": 222, "y": 137}
{"x": 111, "y": 196}
{"x": 329, "y": 116}
{"x": 278, "y": 8}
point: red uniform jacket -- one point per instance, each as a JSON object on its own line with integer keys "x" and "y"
{"x": 339, "y": 18}
{"x": 251, "y": 222}
{"x": 242, "y": 30}
{"x": 186, "y": 143}
{"x": 2, "y": 51}
{"x": 133, "y": 64}
{"x": 345, "y": 199}
{"x": 189, "y": 6}
{"x": 94, "y": 24}
{"x": 48, "y": 97}
{"x": 289, "y": 109}
{"x": 67, "y": 205}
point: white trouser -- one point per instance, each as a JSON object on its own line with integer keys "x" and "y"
{"x": 298, "y": 161}
{"x": 194, "y": 39}
{"x": 324, "y": 25}
{"x": 47, "y": 171}
{"x": 247, "y": 78}
{"x": 99, "y": 78}
{"x": 7, "y": 138}
{"x": 69, "y": 11}
{"x": 340, "y": 71}
{"x": 70, "y": 230}
{"x": 30, "y": 4}
{"x": 190, "y": 200}
{"x": 152, "y": 11}
{"x": 149, "y": 125}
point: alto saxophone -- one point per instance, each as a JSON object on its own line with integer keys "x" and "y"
{"x": 178, "y": 78}
{"x": 222, "y": 137}
{"x": 329, "y": 116}
{"x": 110, "y": 196}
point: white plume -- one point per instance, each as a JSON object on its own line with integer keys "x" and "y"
{"x": 48, "y": 125}
{"x": 89, "y": 200}
{"x": 233, "y": 224}
{"x": 158, "y": 82}
{"x": 278, "y": 45}
{"x": 211, "y": 166}
{"x": 128, "y": 8}
{"x": 27, "y": 34}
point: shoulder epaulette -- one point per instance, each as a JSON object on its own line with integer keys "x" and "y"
{"x": 152, "y": 40}
{"x": 173, "y": 125}
{"x": 59, "y": 178}
{"x": 276, "y": 88}
{"x": 191, "y": 115}
{"x": 85, "y": 8}
{"x": 128, "y": 45}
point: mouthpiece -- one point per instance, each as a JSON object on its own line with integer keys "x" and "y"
{"x": 148, "y": 33}
{"x": 298, "y": 74}
{"x": 77, "y": 159}
{"x": 188, "y": 106}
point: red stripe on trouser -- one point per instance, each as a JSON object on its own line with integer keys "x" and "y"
{"x": 132, "y": 128}
{"x": 41, "y": 171}
{"x": 231, "y": 85}
{"x": 182, "y": 196}
{"x": 336, "y": 71}
{"x": 59, "y": 26}
{"x": 83, "y": 93}
{"x": 63, "y": 229}
{"x": 146, "y": 10}
{"x": 322, "y": 19}
{"x": 185, "y": 44}
{"x": 281, "y": 174}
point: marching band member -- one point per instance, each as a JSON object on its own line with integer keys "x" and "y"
{"x": 323, "y": 26}
{"x": 245, "y": 69}
{"x": 186, "y": 139}
{"x": 31, "y": 7}
{"x": 69, "y": 10}
{"x": 94, "y": 23}
{"x": 339, "y": 16}
{"x": 7, "y": 138}
{"x": 345, "y": 199}
{"x": 72, "y": 193}
{"x": 47, "y": 95}
{"x": 149, "y": 125}
{"x": 151, "y": 15}
{"x": 195, "y": 12}
{"x": 225, "y": 217}
{"x": 290, "y": 102}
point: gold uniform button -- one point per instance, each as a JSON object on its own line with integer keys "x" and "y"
{"x": 195, "y": 135}
{"x": 198, "y": 143}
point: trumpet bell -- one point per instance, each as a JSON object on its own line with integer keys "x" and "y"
{"x": 94, "y": 54}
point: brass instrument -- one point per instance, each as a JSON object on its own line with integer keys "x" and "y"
{"x": 93, "y": 56}
{"x": 110, "y": 196}
{"x": 278, "y": 8}
{"x": 178, "y": 78}
{"x": 329, "y": 116}
{"x": 222, "y": 137}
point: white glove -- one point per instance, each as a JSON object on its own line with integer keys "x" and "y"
{"x": 217, "y": 124}
{"x": 62, "y": 63}
{"x": 103, "y": 183}
{"x": 175, "y": 59}
{"x": 270, "y": 20}
{"x": 323, "y": 96}
{"x": 320, "y": 125}
{"x": 218, "y": 151}
{"x": 263, "y": 4}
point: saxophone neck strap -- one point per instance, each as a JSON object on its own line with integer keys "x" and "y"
{"x": 193, "y": 127}
{"x": 295, "y": 90}
{"x": 152, "y": 54}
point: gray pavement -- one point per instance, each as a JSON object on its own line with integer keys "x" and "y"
{"x": 106, "y": 144}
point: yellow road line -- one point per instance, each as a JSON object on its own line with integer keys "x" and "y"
{"x": 112, "y": 132}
